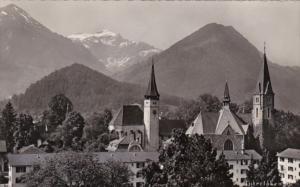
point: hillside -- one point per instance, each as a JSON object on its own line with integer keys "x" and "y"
{"x": 203, "y": 61}
{"x": 89, "y": 90}
{"x": 114, "y": 51}
{"x": 29, "y": 51}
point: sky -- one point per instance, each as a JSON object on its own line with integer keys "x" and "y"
{"x": 163, "y": 23}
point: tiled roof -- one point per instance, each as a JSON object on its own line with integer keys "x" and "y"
{"x": 30, "y": 159}
{"x": 290, "y": 153}
{"x": 205, "y": 123}
{"x": 128, "y": 115}
{"x": 166, "y": 126}
{"x": 31, "y": 149}
{"x": 238, "y": 155}
{"x": 3, "y": 148}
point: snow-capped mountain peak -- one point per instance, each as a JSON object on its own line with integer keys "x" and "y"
{"x": 100, "y": 34}
{"x": 116, "y": 52}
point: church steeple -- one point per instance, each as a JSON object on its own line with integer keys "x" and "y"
{"x": 226, "y": 99}
{"x": 152, "y": 92}
{"x": 264, "y": 85}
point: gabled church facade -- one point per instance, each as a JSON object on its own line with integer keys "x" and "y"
{"x": 226, "y": 130}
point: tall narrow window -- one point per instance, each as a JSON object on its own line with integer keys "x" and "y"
{"x": 268, "y": 112}
{"x": 228, "y": 145}
{"x": 257, "y": 112}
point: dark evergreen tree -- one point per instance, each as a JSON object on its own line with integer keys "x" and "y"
{"x": 8, "y": 126}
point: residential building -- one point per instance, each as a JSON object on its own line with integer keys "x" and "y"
{"x": 289, "y": 165}
{"x": 239, "y": 162}
{"x": 20, "y": 164}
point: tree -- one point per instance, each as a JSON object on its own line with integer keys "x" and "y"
{"x": 77, "y": 170}
{"x": 189, "y": 161}
{"x": 69, "y": 134}
{"x": 26, "y": 132}
{"x": 59, "y": 106}
{"x": 8, "y": 125}
{"x": 97, "y": 124}
{"x": 117, "y": 174}
{"x": 266, "y": 173}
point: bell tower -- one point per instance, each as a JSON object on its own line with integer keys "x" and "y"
{"x": 151, "y": 114}
{"x": 263, "y": 105}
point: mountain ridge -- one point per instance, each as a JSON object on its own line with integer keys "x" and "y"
{"x": 204, "y": 60}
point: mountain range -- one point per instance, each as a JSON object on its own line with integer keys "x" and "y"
{"x": 114, "y": 51}
{"x": 203, "y": 61}
{"x": 199, "y": 63}
{"x": 30, "y": 51}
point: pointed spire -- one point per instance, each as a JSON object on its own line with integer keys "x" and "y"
{"x": 152, "y": 92}
{"x": 226, "y": 99}
{"x": 264, "y": 85}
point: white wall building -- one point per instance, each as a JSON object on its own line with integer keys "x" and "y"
{"x": 239, "y": 162}
{"x": 289, "y": 165}
{"x": 19, "y": 164}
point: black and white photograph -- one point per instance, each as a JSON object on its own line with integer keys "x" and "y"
{"x": 149, "y": 93}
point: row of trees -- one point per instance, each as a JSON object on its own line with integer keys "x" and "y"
{"x": 61, "y": 126}
{"x": 77, "y": 170}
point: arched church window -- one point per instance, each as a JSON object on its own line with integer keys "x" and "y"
{"x": 228, "y": 145}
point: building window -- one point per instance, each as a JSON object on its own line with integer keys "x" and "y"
{"x": 290, "y": 177}
{"x": 290, "y": 169}
{"x": 230, "y": 166}
{"x": 281, "y": 175}
{"x": 290, "y": 160}
{"x": 139, "y": 184}
{"x": 243, "y": 180}
{"x": 243, "y": 171}
{"x": 282, "y": 160}
{"x": 139, "y": 174}
{"x": 257, "y": 100}
{"x": 228, "y": 145}
{"x": 140, "y": 164}
{"x": 21, "y": 169}
{"x": 257, "y": 112}
{"x": 268, "y": 112}
{"x": 19, "y": 180}
{"x": 281, "y": 167}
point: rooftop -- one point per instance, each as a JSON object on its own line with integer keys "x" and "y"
{"x": 290, "y": 153}
{"x": 238, "y": 155}
{"x": 31, "y": 159}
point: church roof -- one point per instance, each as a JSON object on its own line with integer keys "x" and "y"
{"x": 205, "y": 123}
{"x": 229, "y": 118}
{"x": 166, "y": 126}
{"x": 152, "y": 92}
{"x": 264, "y": 85}
{"x": 128, "y": 115}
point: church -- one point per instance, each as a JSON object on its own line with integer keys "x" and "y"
{"x": 227, "y": 130}
{"x": 141, "y": 129}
